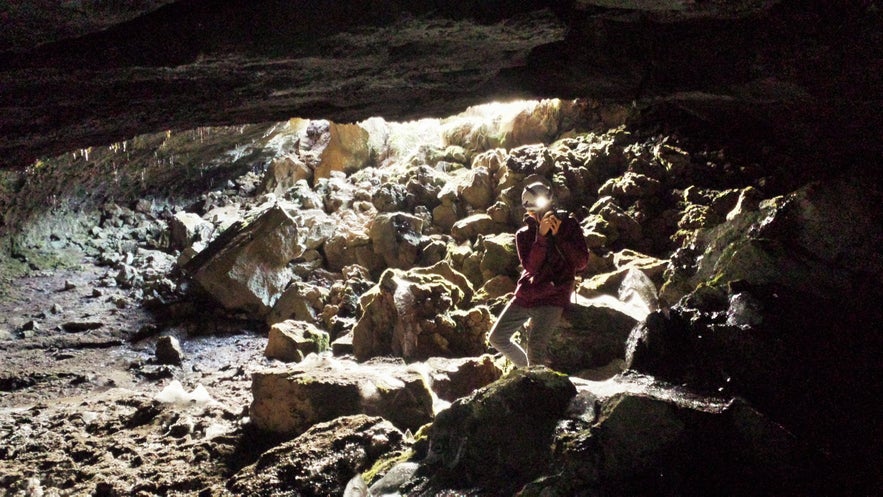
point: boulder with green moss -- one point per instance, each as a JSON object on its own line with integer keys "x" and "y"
{"x": 500, "y": 437}
{"x": 291, "y": 341}
{"x": 322, "y": 460}
{"x": 410, "y": 314}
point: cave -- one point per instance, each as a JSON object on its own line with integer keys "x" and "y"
{"x": 254, "y": 248}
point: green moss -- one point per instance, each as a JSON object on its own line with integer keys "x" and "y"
{"x": 386, "y": 463}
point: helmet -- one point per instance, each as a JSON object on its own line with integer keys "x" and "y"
{"x": 536, "y": 196}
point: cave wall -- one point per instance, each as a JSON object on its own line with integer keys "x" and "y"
{"x": 801, "y": 74}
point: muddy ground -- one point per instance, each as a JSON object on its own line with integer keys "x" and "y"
{"x": 79, "y": 382}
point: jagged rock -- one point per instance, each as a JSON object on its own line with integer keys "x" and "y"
{"x": 495, "y": 287}
{"x": 793, "y": 241}
{"x": 608, "y": 283}
{"x": 470, "y": 227}
{"x": 410, "y": 314}
{"x": 636, "y": 437}
{"x": 284, "y": 173}
{"x": 291, "y": 340}
{"x": 246, "y": 267}
{"x": 397, "y": 239}
{"x": 390, "y": 197}
{"x": 300, "y": 301}
{"x": 522, "y": 408}
{"x": 322, "y": 460}
{"x": 631, "y": 185}
{"x": 476, "y": 188}
{"x": 445, "y": 215}
{"x": 343, "y": 345}
{"x": 339, "y": 147}
{"x": 591, "y": 334}
{"x": 445, "y": 270}
{"x": 537, "y": 124}
{"x": 451, "y": 379}
{"x": 127, "y": 276}
{"x": 500, "y": 256}
{"x": 290, "y": 400}
{"x": 168, "y": 350}
{"x": 185, "y": 228}
{"x": 608, "y": 219}
{"x": 530, "y": 159}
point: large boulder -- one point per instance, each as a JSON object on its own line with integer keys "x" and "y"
{"x": 500, "y": 437}
{"x": 397, "y": 238}
{"x": 289, "y": 400}
{"x": 246, "y": 267}
{"x": 186, "y": 228}
{"x": 592, "y": 334}
{"x": 283, "y": 174}
{"x": 627, "y": 435}
{"x": 412, "y": 314}
{"x": 301, "y": 301}
{"x": 472, "y": 226}
{"x": 340, "y": 147}
{"x": 322, "y": 460}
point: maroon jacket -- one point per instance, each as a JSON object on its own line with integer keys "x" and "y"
{"x": 550, "y": 263}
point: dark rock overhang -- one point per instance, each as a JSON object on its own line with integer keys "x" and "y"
{"x": 778, "y": 71}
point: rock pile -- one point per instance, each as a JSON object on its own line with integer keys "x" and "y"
{"x": 378, "y": 267}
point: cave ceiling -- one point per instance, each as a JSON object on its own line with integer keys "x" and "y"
{"x": 77, "y": 74}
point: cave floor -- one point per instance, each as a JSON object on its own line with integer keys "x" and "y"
{"x": 78, "y": 407}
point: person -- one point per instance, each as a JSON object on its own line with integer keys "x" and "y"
{"x": 552, "y": 250}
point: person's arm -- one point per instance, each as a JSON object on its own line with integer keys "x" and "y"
{"x": 532, "y": 248}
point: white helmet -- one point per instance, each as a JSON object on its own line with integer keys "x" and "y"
{"x": 536, "y": 196}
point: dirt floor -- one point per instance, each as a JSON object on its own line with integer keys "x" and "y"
{"x": 86, "y": 409}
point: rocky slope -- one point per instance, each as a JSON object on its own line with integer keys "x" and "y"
{"x": 300, "y": 307}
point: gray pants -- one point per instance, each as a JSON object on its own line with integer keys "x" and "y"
{"x": 543, "y": 321}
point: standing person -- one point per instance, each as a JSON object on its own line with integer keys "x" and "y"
{"x": 552, "y": 249}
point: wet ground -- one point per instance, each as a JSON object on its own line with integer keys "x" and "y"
{"x": 79, "y": 384}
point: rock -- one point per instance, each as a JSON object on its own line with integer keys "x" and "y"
{"x": 322, "y": 460}
{"x": 168, "y": 350}
{"x": 500, "y": 256}
{"x": 185, "y": 228}
{"x": 530, "y": 159}
{"x": 80, "y": 326}
{"x": 476, "y": 188}
{"x": 397, "y": 239}
{"x": 128, "y": 277}
{"x": 452, "y": 379}
{"x": 495, "y": 287}
{"x": 292, "y": 340}
{"x": 300, "y": 301}
{"x": 340, "y": 147}
{"x": 343, "y": 345}
{"x": 290, "y": 400}
{"x": 631, "y": 185}
{"x": 470, "y": 227}
{"x": 608, "y": 283}
{"x": 608, "y": 219}
{"x": 68, "y": 285}
{"x": 522, "y": 408}
{"x": 283, "y": 173}
{"x": 535, "y": 124}
{"x": 246, "y": 267}
{"x": 445, "y": 215}
{"x": 410, "y": 314}
{"x": 592, "y": 333}
{"x": 631, "y": 436}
